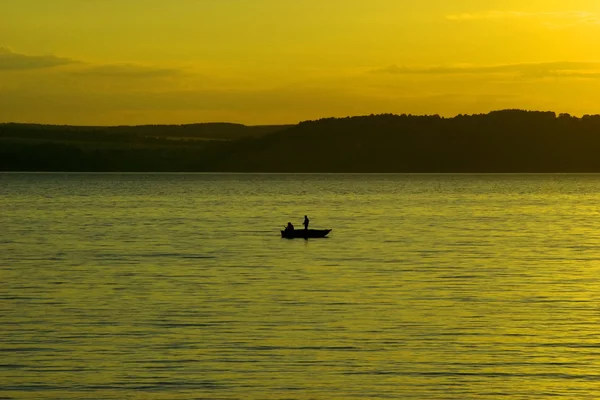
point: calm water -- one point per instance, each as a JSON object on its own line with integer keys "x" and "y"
{"x": 167, "y": 286}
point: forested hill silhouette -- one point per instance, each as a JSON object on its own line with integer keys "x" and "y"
{"x": 501, "y": 141}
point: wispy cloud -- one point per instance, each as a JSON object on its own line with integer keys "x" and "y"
{"x": 10, "y": 60}
{"x": 550, "y": 18}
{"x": 534, "y": 70}
{"x": 15, "y": 61}
{"x": 128, "y": 71}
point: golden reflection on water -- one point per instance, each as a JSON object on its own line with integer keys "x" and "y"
{"x": 178, "y": 287}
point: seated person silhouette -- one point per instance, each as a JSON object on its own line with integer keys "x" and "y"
{"x": 289, "y": 227}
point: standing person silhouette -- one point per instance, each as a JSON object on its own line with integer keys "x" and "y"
{"x": 306, "y": 221}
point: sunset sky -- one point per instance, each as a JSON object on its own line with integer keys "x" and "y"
{"x": 106, "y": 62}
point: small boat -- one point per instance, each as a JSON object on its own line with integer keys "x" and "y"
{"x": 305, "y": 233}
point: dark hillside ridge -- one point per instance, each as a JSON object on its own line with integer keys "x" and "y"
{"x": 501, "y": 141}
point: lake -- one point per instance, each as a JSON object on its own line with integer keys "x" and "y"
{"x": 179, "y": 286}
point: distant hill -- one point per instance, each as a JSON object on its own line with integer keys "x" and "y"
{"x": 500, "y": 141}
{"x": 37, "y": 147}
{"x": 201, "y": 131}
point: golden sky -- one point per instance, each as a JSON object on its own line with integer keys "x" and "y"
{"x": 106, "y": 62}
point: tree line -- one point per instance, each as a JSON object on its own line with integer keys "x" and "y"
{"x": 500, "y": 141}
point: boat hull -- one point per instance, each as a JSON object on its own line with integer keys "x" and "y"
{"x": 305, "y": 233}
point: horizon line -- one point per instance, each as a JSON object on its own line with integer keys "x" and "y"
{"x": 291, "y": 123}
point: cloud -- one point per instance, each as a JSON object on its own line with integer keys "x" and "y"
{"x": 10, "y": 60}
{"x": 534, "y": 70}
{"x": 568, "y": 18}
{"x": 14, "y": 61}
{"x": 128, "y": 71}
